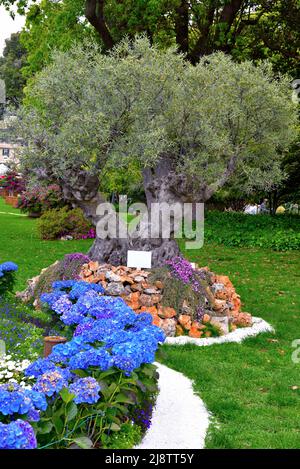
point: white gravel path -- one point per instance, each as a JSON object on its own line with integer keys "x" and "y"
{"x": 259, "y": 325}
{"x": 180, "y": 419}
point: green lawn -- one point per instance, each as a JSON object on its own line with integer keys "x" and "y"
{"x": 248, "y": 387}
{"x": 19, "y": 242}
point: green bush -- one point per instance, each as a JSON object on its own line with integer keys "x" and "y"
{"x": 280, "y": 233}
{"x": 126, "y": 438}
{"x": 60, "y": 222}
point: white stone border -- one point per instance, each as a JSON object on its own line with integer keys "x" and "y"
{"x": 180, "y": 419}
{"x": 259, "y": 325}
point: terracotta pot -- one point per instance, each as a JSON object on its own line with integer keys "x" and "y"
{"x": 50, "y": 341}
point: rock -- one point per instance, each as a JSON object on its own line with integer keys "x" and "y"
{"x": 126, "y": 279}
{"x": 185, "y": 321}
{"x": 146, "y": 300}
{"x": 150, "y": 291}
{"x": 128, "y": 289}
{"x": 112, "y": 277}
{"x": 217, "y": 287}
{"x": 150, "y": 309}
{"x": 133, "y": 305}
{"x": 87, "y": 273}
{"x": 115, "y": 289}
{"x": 165, "y": 312}
{"x": 206, "y": 318}
{"x": 156, "y": 299}
{"x": 159, "y": 284}
{"x": 219, "y": 305}
{"x": 225, "y": 280}
{"x": 138, "y": 278}
{"x": 157, "y": 321}
{"x": 134, "y": 296}
{"x": 99, "y": 277}
{"x": 221, "y": 322}
{"x": 179, "y": 330}
{"x": 243, "y": 320}
{"x": 136, "y": 287}
{"x": 169, "y": 327}
{"x": 93, "y": 266}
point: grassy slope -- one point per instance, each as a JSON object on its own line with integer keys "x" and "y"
{"x": 246, "y": 387}
{"x": 20, "y": 243}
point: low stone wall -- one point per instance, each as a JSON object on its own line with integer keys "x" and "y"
{"x": 133, "y": 285}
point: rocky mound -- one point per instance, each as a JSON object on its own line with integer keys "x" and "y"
{"x": 157, "y": 292}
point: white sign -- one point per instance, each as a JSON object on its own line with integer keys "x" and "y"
{"x": 139, "y": 259}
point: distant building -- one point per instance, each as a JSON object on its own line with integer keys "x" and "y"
{"x": 8, "y": 153}
{"x": 8, "y": 145}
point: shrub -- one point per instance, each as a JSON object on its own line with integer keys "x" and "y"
{"x": 56, "y": 223}
{"x": 41, "y": 199}
{"x": 280, "y": 233}
{"x": 13, "y": 182}
{"x": 7, "y": 276}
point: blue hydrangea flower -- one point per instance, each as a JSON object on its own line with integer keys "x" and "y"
{"x": 62, "y": 305}
{"x": 17, "y": 435}
{"x": 40, "y": 366}
{"x": 17, "y": 400}
{"x": 50, "y": 383}
{"x": 86, "y": 390}
{"x": 94, "y": 357}
{"x": 63, "y": 284}
{"x": 8, "y": 267}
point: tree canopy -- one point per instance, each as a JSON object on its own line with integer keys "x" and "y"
{"x": 208, "y": 121}
{"x": 14, "y": 58}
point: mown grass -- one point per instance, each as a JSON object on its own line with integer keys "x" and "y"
{"x": 20, "y": 243}
{"x": 252, "y": 389}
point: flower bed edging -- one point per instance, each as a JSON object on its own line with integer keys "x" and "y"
{"x": 183, "y": 428}
{"x": 259, "y": 325}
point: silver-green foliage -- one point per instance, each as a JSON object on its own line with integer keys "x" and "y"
{"x": 87, "y": 110}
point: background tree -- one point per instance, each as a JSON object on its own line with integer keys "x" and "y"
{"x": 52, "y": 25}
{"x": 243, "y": 28}
{"x": 14, "y": 58}
{"x": 192, "y": 128}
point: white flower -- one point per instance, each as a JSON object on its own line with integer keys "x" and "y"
{"x": 9, "y": 375}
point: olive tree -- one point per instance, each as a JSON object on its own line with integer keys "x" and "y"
{"x": 190, "y": 128}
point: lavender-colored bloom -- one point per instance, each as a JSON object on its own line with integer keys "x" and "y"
{"x": 86, "y": 390}
{"x": 50, "y": 383}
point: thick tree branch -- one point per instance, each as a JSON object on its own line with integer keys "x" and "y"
{"x": 182, "y": 26}
{"x": 230, "y": 169}
{"x": 202, "y": 45}
{"x": 94, "y": 12}
{"x": 229, "y": 13}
